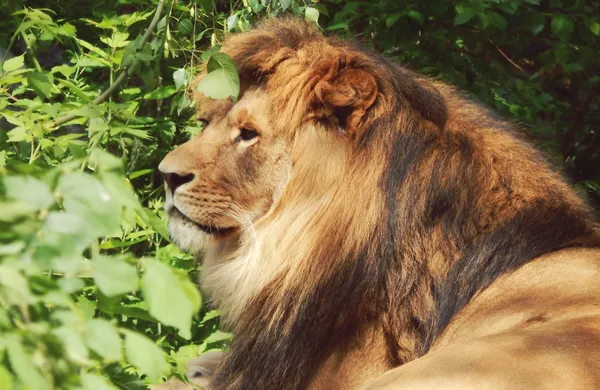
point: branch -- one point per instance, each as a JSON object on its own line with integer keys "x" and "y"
{"x": 507, "y": 58}
{"x": 123, "y": 75}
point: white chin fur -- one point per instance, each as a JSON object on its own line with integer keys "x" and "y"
{"x": 187, "y": 236}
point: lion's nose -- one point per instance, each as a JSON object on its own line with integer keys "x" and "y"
{"x": 174, "y": 179}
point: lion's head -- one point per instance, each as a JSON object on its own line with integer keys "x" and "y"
{"x": 230, "y": 175}
{"x": 342, "y": 194}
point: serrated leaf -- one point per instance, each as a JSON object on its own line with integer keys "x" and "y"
{"x": 96, "y": 382}
{"x": 562, "y": 26}
{"x": 41, "y": 83}
{"x": 97, "y": 125}
{"x": 117, "y": 40}
{"x": 68, "y": 30}
{"x": 13, "y": 64}
{"x": 180, "y": 78}
{"x": 114, "y": 276}
{"x": 312, "y": 14}
{"x": 222, "y": 80}
{"x": 103, "y": 338}
{"x": 30, "y": 190}
{"x": 146, "y": 356}
{"x": 19, "y": 134}
{"x": 497, "y": 20}
{"x": 463, "y": 17}
{"x": 171, "y": 300}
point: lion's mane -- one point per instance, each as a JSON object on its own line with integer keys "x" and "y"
{"x": 425, "y": 200}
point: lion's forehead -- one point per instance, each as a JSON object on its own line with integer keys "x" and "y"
{"x": 252, "y": 108}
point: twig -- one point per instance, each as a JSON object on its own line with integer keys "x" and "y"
{"x": 508, "y": 58}
{"x": 123, "y": 75}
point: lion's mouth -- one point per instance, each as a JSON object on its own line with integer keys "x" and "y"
{"x": 209, "y": 229}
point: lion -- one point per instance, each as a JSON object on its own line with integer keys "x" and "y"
{"x": 364, "y": 226}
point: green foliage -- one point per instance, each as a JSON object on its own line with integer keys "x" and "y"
{"x": 222, "y": 80}
{"x": 93, "y": 295}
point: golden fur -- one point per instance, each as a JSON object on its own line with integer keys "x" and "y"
{"x": 355, "y": 211}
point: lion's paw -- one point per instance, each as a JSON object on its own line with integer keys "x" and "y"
{"x": 202, "y": 368}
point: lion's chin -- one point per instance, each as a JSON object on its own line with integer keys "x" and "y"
{"x": 187, "y": 236}
{"x": 191, "y": 236}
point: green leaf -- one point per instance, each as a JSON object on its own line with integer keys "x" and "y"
{"x": 171, "y": 300}
{"x": 594, "y": 26}
{"x": 535, "y": 22}
{"x": 146, "y": 356}
{"x": 180, "y": 77}
{"x": 19, "y": 134}
{"x": 6, "y": 381}
{"x": 75, "y": 89}
{"x": 114, "y": 276}
{"x": 97, "y": 125}
{"x": 73, "y": 341}
{"x": 30, "y": 190}
{"x": 185, "y": 26}
{"x": 68, "y": 30}
{"x": 416, "y": 16}
{"x": 218, "y": 336}
{"x": 120, "y": 188}
{"x": 13, "y": 64}
{"x": 102, "y": 160}
{"x": 21, "y": 364}
{"x": 222, "y": 80}
{"x": 562, "y": 26}
{"x": 103, "y": 338}
{"x": 161, "y": 93}
{"x": 497, "y": 20}
{"x": 11, "y": 211}
{"x": 312, "y": 14}
{"x": 96, "y": 382}
{"x": 13, "y": 286}
{"x": 232, "y": 22}
{"x": 66, "y": 223}
{"x": 41, "y": 83}
{"x": 85, "y": 196}
{"x": 392, "y": 19}
{"x": 463, "y": 17}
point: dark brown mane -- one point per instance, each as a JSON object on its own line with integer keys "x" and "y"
{"x": 462, "y": 201}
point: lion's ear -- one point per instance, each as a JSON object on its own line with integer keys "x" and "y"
{"x": 347, "y": 96}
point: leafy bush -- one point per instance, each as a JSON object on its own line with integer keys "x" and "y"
{"x": 92, "y": 293}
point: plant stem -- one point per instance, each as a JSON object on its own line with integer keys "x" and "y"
{"x": 30, "y": 50}
{"x": 123, "y": 75}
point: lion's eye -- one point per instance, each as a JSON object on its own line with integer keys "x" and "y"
{"x": 204, "y": 123}
{"x": 247, "y": 135}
